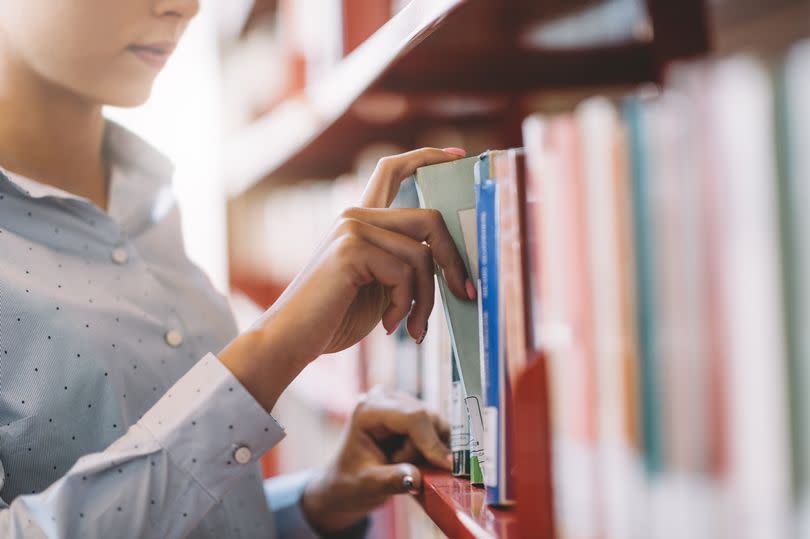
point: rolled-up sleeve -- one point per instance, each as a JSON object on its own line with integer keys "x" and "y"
{"x": 162, "y": 476}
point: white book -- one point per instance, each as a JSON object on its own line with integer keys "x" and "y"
{"x": 681, "y": 309}
{"x": 744, "y": 178}
{"x": 618, "y": 472}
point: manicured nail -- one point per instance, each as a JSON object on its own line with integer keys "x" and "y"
{"x": 455, "y": 151}
{"x": 391, "y": 331}
{"x": 422, "y": 336}
{"x": 470, "y": 289}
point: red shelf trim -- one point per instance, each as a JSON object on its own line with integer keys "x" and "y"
{"x": 460, "y": 509}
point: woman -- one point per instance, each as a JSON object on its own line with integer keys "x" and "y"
{"x": 124, "y": 409}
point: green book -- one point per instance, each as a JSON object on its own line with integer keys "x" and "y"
{"x": 793, "y": 135}
{"x": 450, "y": 188}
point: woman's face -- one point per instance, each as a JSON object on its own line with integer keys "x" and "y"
{"x": 106, "y": 51}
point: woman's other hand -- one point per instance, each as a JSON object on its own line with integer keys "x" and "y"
{"x": 388, "y": 433}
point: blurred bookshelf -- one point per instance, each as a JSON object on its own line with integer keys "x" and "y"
{"x": 456, "y": 73}
{"x": 465, "y": 62}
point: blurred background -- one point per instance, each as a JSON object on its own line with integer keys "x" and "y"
{"x": 276, "y": 111}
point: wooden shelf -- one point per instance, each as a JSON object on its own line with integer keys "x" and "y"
{"x": 466, "y": 63}
{"x": 460, "y": 510}
{"x": 277, "y": 139}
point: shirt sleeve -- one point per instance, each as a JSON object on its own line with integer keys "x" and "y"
{"x": 283, "y": 495}
{"x": 162, "y": 476}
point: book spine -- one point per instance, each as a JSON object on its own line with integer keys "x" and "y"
{"x": 740, "y": 123}
{"x": 459, "y": 427}
{"x": 477, "y": 455}
{"x": 794, "y": 122}
{"x": 644, "y": 293}
{"x": 491, "y": 355}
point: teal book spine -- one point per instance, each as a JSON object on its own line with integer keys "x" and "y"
{"x": 633, "y": 111}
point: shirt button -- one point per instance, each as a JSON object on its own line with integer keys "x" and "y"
{"x": 242, "y": 454}
{"x": 120, "y": 255}
{"x": 173, "y": 338}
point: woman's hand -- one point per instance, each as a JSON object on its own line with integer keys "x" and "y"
{"x": 387, "y": 435}
{"x": 376, "y": 264}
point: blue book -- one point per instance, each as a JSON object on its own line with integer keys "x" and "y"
{"x": 492, "y": 352}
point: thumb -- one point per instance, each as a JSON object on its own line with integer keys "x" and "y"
{"x": 394, "y": 479}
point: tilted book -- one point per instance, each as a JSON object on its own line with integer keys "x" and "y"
{"x": 449, "y": 188}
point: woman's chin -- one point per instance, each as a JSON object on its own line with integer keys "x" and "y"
{"x": 123, "y": 92}
{"x": 128, "y": 97}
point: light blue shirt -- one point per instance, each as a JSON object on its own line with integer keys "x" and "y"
{"x": 116, "y": 420}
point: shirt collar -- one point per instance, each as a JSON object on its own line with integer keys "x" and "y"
{"x": 131, "y": 157}
{"x": 140, "y": 183}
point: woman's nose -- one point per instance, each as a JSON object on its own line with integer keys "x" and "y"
{"x": 183, "y": 9}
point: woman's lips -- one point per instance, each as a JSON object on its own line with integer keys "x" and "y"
{"x": 153, "y": 55}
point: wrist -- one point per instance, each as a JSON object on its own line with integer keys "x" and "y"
{"x": 261, "y": 366}
{"x": 327, "y": 507}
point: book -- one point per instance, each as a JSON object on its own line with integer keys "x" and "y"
{"x": 489, "y": 333}
{"x": 793, "y": 135}
{"x": 513, "y": 304}
{"x": 459, "y": 426}
{"x": 499, "y": 235}
{"x": 682, "y": 494}
{"x": 510, "y": 175}
{"x": 565, "y": 332}
{"x": 449, "y": 188}
{"x": 633, "y": 113}
{"x": 739, "y": 138}
{"x": 605, "y": 181}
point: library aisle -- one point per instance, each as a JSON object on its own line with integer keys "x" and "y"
{"x": 633, "y": 210}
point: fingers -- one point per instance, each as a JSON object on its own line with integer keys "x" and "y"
{"x": 396, "y": 479}
{"x": 418, "y": 256}
{"x": 422, "y": 226}
{"x": 368, "y": 263}
{"x": 405, "y": 416}
{"x": 410, "y": 453}
{"x": 390, "y": 171}
{"x": 442, "y": 427}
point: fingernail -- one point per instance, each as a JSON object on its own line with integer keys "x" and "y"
{"x": 391, "y": 331}
{"x": 422, "y": 336}
{"x": 449, "y": 458}
{"x": 470, "y": 289}
{"x": 455, "y": 151}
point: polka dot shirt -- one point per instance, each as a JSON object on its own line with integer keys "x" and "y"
{"x": 114, "y": 415}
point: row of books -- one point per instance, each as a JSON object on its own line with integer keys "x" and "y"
{"x": 654, "y": 252}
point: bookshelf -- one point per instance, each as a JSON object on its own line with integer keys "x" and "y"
{"x": 432, "y": 51}
{"x": 460, "y": 510}
{"x": 403, "y": 81}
